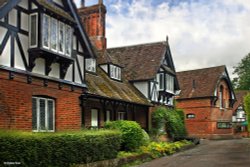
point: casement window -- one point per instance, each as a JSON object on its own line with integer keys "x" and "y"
{"x": 115, "y": 72}
{"x": 33, "y": 30}
{"x": 61, "y": 38}
{"x": 56, "y": 35}
{"x": 160, "y": 80}
{"x": 46, "y": 31}
{"x": 68, "y": 40}
{"x": 90, "y": 65}
{"x": 43, "y": 114}
{"x": 190, "y": 116}
{"x": 94, "y": 118}
{"x": 169, "y": 83}
{"x": 108, "y": 115}
{"x": 121, "y": 116}
{"x": 224, "y": 125}
{"x": 221, "y": 100}
{"x": 53, "y": 32}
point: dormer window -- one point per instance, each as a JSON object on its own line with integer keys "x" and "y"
{"x": 115, "y": 72}
{"x": 91, "y": 65}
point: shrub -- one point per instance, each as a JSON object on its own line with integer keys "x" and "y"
{"x": 58, "y": 149}
{"x": 159, "y": 149}
{"x": 172, "y": 120}
{"x": 132, "y": 134}
{"x": 247, "y": 108}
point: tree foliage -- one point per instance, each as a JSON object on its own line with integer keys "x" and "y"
{"x": 247, "y": 109}
{"x": 172, "y": 119}
{"x": 242, "y": 82}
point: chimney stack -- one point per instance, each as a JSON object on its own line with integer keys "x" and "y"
{"x": 93, "y": 20}
{"x": 82, "y": 3}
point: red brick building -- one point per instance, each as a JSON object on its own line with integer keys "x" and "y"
{"x": 207, "y": 98}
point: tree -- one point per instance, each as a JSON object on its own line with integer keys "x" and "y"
{"x": 247, "y": 109}
{"x": 242, "y": 82}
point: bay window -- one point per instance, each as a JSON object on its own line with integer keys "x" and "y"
{"x": 43, "y": 114}
{"x": 56, "y": 36}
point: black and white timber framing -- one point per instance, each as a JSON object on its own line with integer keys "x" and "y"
{"x": 17, "y": 55}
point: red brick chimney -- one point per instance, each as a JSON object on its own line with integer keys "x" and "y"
{"x": 93, "y": 20}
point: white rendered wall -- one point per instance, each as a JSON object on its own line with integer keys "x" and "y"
{"x": 39, "y": 67}
{"x": 5, "y": 56}
{"x": 55, "y": 70}
{"x": 142, "y": 87}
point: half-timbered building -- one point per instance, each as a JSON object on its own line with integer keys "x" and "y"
{"x": 146, "y": 69}
{"x": 43, "y": 48}
{"x": 207, "y": 98}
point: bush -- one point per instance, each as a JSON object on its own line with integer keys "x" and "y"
{"x": 133, "y": 136}
{"x": 58, "y": 149}
{"x": 159, "y": 149}
{"x": 172, "y": 120}
{"x": 247, "y": 109}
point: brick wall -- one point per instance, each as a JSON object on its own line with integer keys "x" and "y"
{"x": 16, "y": 102}
{"x": 207, "y": 115}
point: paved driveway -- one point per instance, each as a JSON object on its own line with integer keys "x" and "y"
{"x": 210, "y": 153}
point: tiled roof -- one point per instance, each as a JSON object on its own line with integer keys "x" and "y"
{"x": 200, "y": 82}
{"x": 240, "y": 98}
{"x": 142, "y": 61}
{"x": 102, "y": 85}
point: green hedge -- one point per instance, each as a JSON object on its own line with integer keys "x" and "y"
{"x": 133, "y": 136}
{"x": 247, "y": 109}
{"x": 58, "y": 149}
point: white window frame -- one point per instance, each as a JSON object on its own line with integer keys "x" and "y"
{"x": 90, "y": 65}
{"x": 115, "y": 72}
{"x": 70, "y": 40}
{"x": 63, "y": 44}
{"x": 94, "y": 121}
{"x": 160, "y": 83}
{"x": 46, "y": 114}
{"x": 56, "y": 34}
{"x": 42, "y": 25}
{"x": 169, "y": 83}
{"x": 121, "y": 115}
{"x": 36, "y": 36}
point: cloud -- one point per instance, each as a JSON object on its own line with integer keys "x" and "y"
{"x": 201, "y": 33}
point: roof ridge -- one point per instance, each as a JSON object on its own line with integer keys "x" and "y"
{"x": 206, "y": 68}
{"x": 133, "y": 45}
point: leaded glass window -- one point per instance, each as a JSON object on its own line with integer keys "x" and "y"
{"x": 43, "y": 114}
{"x": 46, "y": 30}
{"x": 53, "y": 31}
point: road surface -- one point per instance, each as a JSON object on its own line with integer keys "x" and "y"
{"x": 210, "y": 153}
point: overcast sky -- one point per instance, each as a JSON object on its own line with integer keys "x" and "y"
{"x": 202, "y": 33}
